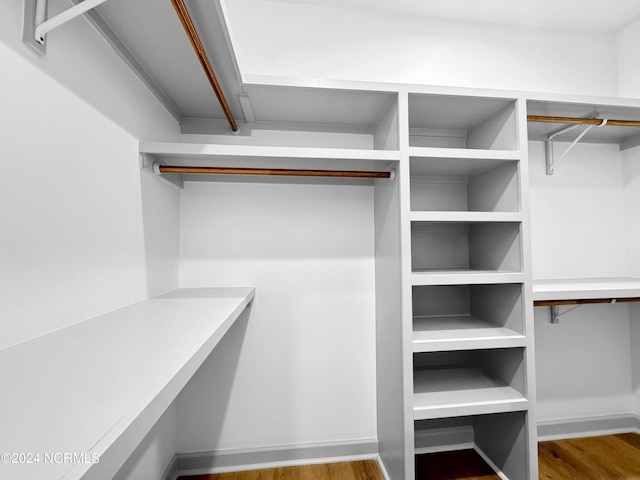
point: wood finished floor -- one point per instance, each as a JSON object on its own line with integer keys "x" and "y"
{"x": 609, "y": 457}
{"x": 358, "y": 470}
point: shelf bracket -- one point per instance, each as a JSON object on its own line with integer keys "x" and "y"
{"x": 555, "y": 313}
{"x": 36, "y": 25}
{"x": 549, "y": 157}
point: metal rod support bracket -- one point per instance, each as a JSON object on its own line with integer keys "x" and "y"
{"x": 555, "y": 313}
{"x": 549, "y": 155}
{"x": 36, "y": 25}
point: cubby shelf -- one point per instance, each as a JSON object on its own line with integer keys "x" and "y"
{"x": 451, "y": 392}
{"x": 464, "y": 216}
{"x": 461, "y": 332}
{"x": 464, "y": 276}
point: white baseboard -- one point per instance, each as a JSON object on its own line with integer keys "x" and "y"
{"x": 221, "y": 461}
{"x": 587, "y": 426}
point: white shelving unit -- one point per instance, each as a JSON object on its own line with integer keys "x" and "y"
{"x": 467, "y": 280}
{"x": 127, "y": 381}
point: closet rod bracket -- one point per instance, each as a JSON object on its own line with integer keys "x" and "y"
{"x": 549, "y": 155}
{"x": 36, "y": 25}
{"x": 556, "y": 314}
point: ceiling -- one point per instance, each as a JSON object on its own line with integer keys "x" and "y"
{"x": 581, "y": 15}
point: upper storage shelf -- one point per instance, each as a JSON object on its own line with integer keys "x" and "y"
{"x": 626, "y": 137}
{"x": 575, "y": 289}
{"x": 462, "y": 122}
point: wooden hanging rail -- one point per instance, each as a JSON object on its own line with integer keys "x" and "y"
{"x": 585, "y": 301}
{"x": 583, "y": 121}
{"x": 272, "y": 171}
{"x": 192, "y": 33}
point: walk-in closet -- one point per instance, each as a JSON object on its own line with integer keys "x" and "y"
{"x": 395, "y": 240}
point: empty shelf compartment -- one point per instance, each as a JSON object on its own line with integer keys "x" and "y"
{"x": 437, "y": 246}
{"x": 462, "y": 122}
{"x": 449, "y": 384}
{"x": 472, "y": 185}
{"x": 481, "y": 445}
{"x": 462, "y": 317}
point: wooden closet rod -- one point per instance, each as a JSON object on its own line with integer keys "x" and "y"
{"x": 272, "y": 171}
{"x": 586, "y": 301}
{"x": 192, "y": 33}
{"x": 583, "y": 121}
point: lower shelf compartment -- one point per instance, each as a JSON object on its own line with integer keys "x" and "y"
{"x": 468, "y": 382}
{"x": 479, "y": 447}
{"x": 447, "y": 392}
{"x": 458, "y": 464}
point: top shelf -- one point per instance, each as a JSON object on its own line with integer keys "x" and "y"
{"x": 586, "y": 289}
{"x": 99, "y": 386}
{"x": 626, "y": 137}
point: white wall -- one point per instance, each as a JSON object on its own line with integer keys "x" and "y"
{"x": 298, "y": 39}
{"x": 628, "y": 62}
{"x": 305, "y": 372}
{"x": 82, "y": 230}
{"x": 578, "y": 229}
{"x": 631, "y": 160}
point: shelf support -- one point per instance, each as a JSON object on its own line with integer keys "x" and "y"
{"x": 555, "y": 313}
{"x": 549, "y": 156}
{"x": 36, "y": 25}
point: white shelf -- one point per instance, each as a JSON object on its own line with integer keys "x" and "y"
{"x": 464, "y": 277}
{"x": 463, "y": 153}
{"x": 452, "y": 392}
{"x": 99, "y": 386}
{"x": 461, "y": 332}
{"x": 464, "y": 216}
{"x": 251, "y": 156}
{"x": 586, "y": 288}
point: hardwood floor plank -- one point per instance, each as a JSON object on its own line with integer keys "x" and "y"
{"x": 358, "y": 470}
{"x": 607, "y": 457}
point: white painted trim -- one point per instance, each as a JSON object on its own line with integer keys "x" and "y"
{"x": 385, "y": 474}
{"x": 490, "y": 463}
{"x": 444, "y": 448}
{"x": 588, "y": 427}
{"x": 233, "y": 460}
{"x": 171, "y": 472}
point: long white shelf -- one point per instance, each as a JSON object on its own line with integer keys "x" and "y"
{"x": 464, "y": 277}
{"x": 461, "y": 332}
{"x": 252, "y": 156}
{"x": 586, "y": 288}
{"x": 452, "y": 392}
{"x": 95, "y": 389}
{"x": 464, "y": 217}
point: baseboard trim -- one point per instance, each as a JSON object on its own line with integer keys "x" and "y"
{"x": 486, "y": 458}
{"x": 587, "y": 426}
{"x": 199, "y": 463}
{"x": 171, "y": 472}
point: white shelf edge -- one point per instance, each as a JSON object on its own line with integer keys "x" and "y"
{"x": 464, "y": 216}
{"x": 256, "y": 151}
{"x": 464, "y": 277}
{"x": 586, "y": 288}
{"x": 477, "y": 394}
{"x": 464, "y": 153}
{"x": 469, "y": 333}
